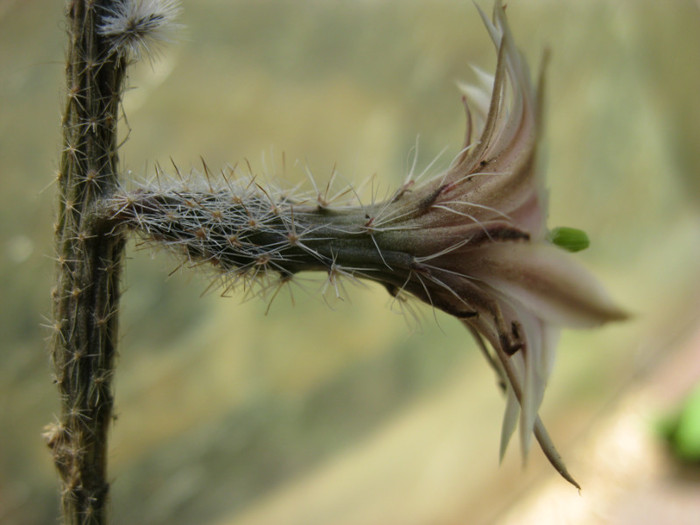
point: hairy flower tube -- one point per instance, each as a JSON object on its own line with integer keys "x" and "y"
{"x": 471, "y": 241}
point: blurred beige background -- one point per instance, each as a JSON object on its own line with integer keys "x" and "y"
{"x": 350, "y": 415}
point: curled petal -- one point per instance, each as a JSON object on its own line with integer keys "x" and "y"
{"x": 498, "y": 171}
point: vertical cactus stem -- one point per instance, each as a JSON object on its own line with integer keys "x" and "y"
{"x": 88, "y": 257}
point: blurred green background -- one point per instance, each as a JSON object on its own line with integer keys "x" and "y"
{"x": 346, "y": 415}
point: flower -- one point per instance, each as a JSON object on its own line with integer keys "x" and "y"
{"x": 481, "y": 247}
{"x": 471, "y": 242}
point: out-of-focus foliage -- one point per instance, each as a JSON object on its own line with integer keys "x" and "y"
{"x": 226, "y": 415}
{"x": 683, "y": 429}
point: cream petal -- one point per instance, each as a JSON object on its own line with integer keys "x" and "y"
{"x": 531, "y": 365}
{"x": 539, "y": 353}
{"x": 525, "y": 373}
{"x": 546, "y": 279}
{"x": 510, "y": 421}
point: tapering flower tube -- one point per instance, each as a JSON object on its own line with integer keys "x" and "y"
{"x": 471, "y": 242}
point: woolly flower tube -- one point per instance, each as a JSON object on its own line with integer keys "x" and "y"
{"x": 471, "y": 242}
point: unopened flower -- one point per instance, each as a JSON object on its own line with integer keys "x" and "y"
{"x": 471, "y": 242}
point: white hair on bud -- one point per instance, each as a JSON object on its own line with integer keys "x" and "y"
{"x": 137, "y": 28}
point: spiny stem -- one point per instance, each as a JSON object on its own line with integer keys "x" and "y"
{"x": 86, "y": 297}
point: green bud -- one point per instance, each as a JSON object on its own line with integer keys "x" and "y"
{"x": 571, "y": 239}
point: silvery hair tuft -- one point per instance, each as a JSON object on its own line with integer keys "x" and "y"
{"x": 137, "y": 28}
